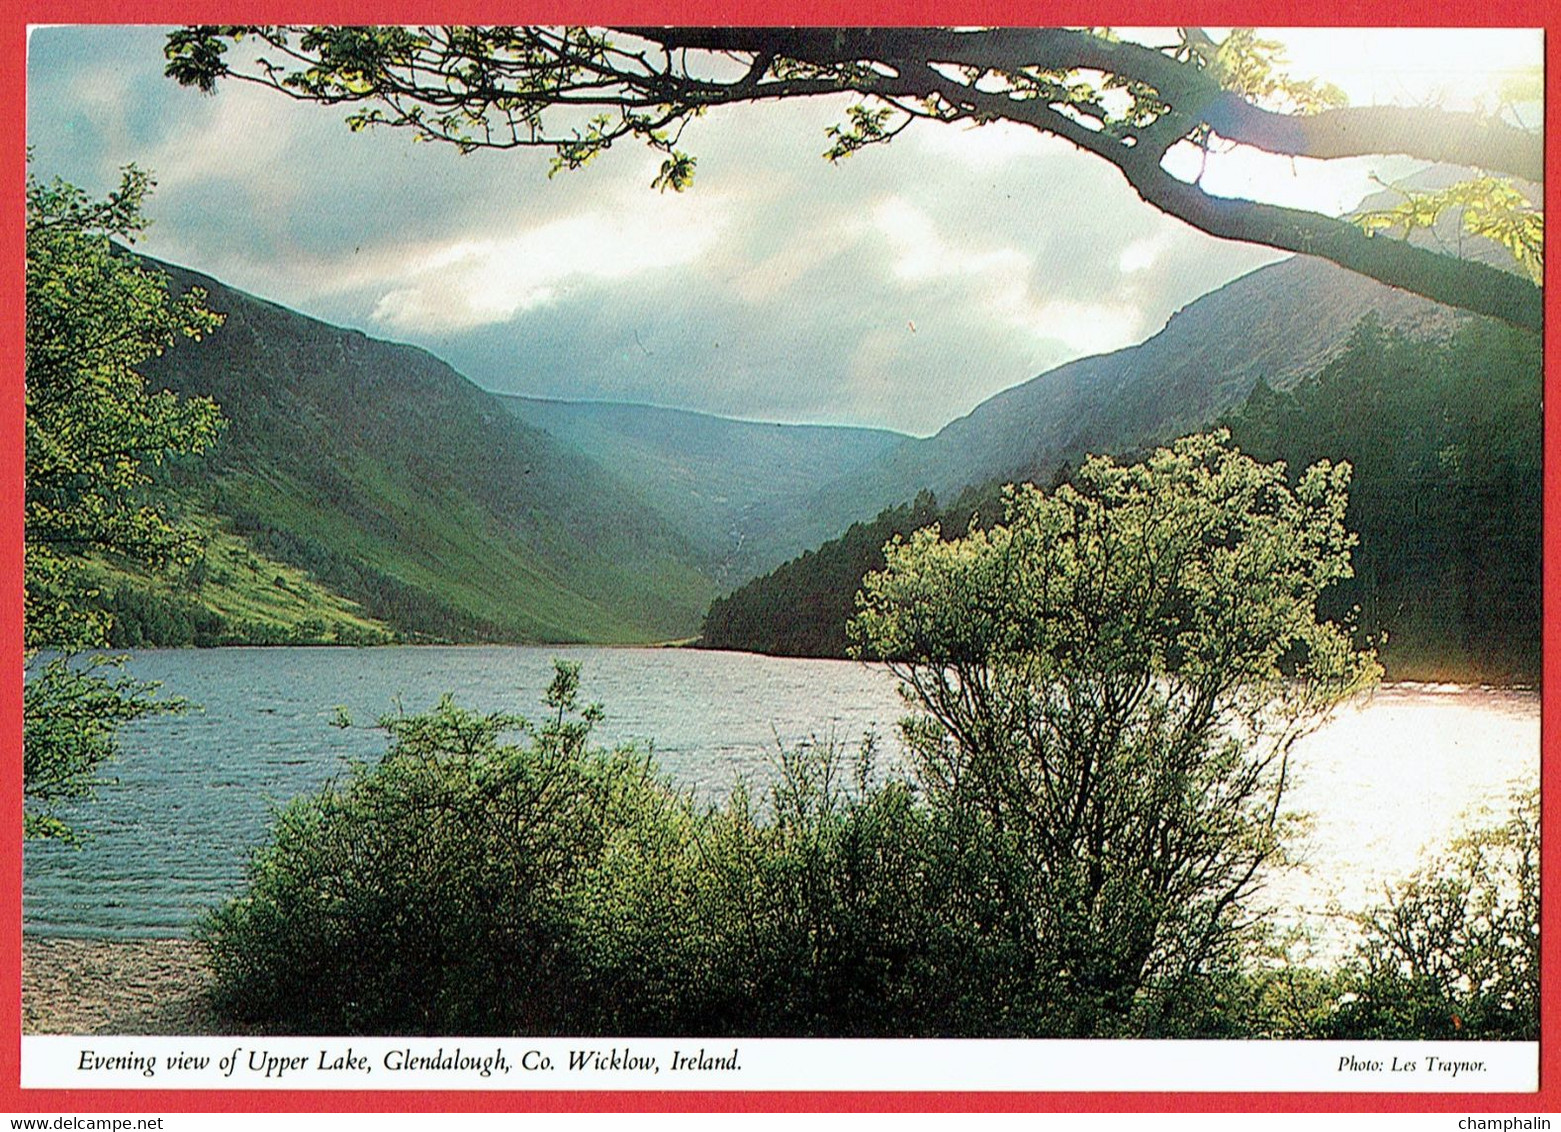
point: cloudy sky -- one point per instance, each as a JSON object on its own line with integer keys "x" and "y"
{"x": 899, "y": 288}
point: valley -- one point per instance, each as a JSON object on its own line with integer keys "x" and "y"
{"x": 378, "y": 495}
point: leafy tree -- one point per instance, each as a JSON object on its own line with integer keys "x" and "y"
{"x": 578, "y": 91}
{"x": 94, "y": 432}
{"x": 1108, "y": 685}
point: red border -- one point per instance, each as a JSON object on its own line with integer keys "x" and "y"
{"x": 1509, "y": 13}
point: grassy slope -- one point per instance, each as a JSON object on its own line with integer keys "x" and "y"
{"x": 257, "y": 598}
{"x": 243, "y": 585}
{"x": 401, "y": 485}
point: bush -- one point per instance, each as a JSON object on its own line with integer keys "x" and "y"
{"x": 442, "y": 889}
{"x": 1108, "y": 685}
{"x": 1454, "y": 952}
{"x": 817, "y": 906}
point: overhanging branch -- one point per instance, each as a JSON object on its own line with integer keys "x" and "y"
{"x": 490, "y": 87}
{"x": 1442, "y": 136}
{"x": 1466, "y": 284}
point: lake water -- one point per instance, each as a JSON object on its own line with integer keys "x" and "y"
{"x": 1387, "y": 778}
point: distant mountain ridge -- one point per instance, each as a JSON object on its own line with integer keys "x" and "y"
{"x": 707, "y": 474}
{"x": 1280, "y": 323}
{"x": 452, "y": 512}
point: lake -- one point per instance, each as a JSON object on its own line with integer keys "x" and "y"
{"x": 1385, "y": 779}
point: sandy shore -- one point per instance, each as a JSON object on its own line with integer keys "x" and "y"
{"x": 90, "y": 986}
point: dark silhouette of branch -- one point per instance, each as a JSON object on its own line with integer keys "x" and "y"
{"x": 577, "y": 91}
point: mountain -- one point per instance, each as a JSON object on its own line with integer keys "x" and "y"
{"x": 1444, "y": 437}
{"x": 395, "y": 481}
{"x": 1280, "y": 323}
{"x": 449, "y": 512}
{"x": 708, "y": 475}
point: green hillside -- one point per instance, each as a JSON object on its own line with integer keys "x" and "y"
{"x": 231, "y": 594}
{"x": 399, "y": 485}
{"x": 708, "y": 475}
{"x": 1444, "y": 436}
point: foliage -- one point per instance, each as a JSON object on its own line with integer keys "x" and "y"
{"x": 1445, "y": 441}
{"x": 93, "y": 433}
{"x": 1489, "y": 207}
{"x": 72, "y": 711}
{"x": 578, "y": 91}
{"x": 811, "y": 911}
{"x": 1109, "y": 685}
{"x": 438, "y": 890}
{"x": 1454, "y": 950}
{"x": 94, "y": 430}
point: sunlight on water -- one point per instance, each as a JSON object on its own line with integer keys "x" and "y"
{"x": 1386, "y": 779}
{"x": 1398, "y": 775}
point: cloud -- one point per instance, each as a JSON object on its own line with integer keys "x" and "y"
{"x": 766, "y": 275}
{"x": 1142, "y": 255}
{"x": 235, "y": 138}
{"x": 778, "y": 287}
{"x": 479, "y": 281}
{"x": 1001, "y": 282}
{"x": 921, "y": 254}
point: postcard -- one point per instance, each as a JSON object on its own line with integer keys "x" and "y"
{"x": 688, "y": 565}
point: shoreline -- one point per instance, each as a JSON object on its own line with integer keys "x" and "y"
{"x": 1418, "y": 675}
{"x": 115, "y": 986}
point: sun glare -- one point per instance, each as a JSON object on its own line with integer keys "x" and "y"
{"x": 1487, "y": 70}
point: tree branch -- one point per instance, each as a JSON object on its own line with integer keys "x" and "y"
{"x": 1428, "y": 134}
{"x": 1466, "y": 284}
{"x": 490, "y": 88}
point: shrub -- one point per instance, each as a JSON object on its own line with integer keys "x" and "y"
{"x": 442, "y": 889}
{"x": 813, "y": 904}
{"x": 1108, "y": 685}
{"x": 1454, "y": 951}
